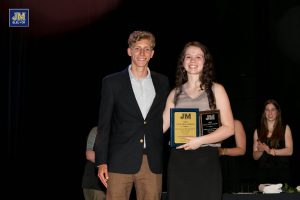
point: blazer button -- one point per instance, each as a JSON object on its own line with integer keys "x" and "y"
{"x": 141, "y": 140}
{"x": 145, "y": 122}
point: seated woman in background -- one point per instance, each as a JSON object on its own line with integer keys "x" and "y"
{"x": 230, "y": 150}
{"x": 272, "y": 146}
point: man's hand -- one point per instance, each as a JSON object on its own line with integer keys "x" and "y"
{"x": 103, "y": 174}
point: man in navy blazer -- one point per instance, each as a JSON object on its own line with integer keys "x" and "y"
{"x": 129, "y": 143}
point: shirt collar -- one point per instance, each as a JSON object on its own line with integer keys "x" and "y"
{"x": 133, "y": 77}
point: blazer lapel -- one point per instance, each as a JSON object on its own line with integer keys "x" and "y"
{"x": 157, "y": 93}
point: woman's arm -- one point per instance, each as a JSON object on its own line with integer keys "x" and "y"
{"x": 90, "y": 155}
{"x": 257, "y": 151}
{"x": 166, "y": 113}
{"x": 240, "y": 141}
{"x": 288, "y": 150}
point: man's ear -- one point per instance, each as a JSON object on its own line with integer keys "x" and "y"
{"x": 129, "y": 51}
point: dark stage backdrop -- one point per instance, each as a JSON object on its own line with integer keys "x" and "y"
{"x": 51, "y": 73}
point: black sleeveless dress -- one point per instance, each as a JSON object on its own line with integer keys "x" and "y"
{"x": 194, "y": 174}
{"x": 274, "y": 169}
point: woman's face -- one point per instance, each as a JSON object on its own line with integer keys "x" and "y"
{"x": 271, "y": 112}
{"x": 193, "y": 60}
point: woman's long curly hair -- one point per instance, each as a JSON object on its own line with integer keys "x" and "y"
{"x": 206, "y": 78}
{"x": 278, "y": 131}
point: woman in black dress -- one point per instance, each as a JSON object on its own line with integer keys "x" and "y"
{"x": 194, "y": 170}
{"x": 272, "y": 146}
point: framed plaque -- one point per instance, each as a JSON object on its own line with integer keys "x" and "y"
{"x": 209, "y": 121}
{"x": 184, "y": 122}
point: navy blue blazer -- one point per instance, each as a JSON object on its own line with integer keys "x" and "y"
{"x": 121, "y": 127}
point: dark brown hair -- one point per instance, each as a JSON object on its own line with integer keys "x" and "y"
{"x": 206, "y": 77}
{"x": 278, "y": 131}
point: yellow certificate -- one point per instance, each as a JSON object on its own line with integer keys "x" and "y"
{"x": 184, "y": 123}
